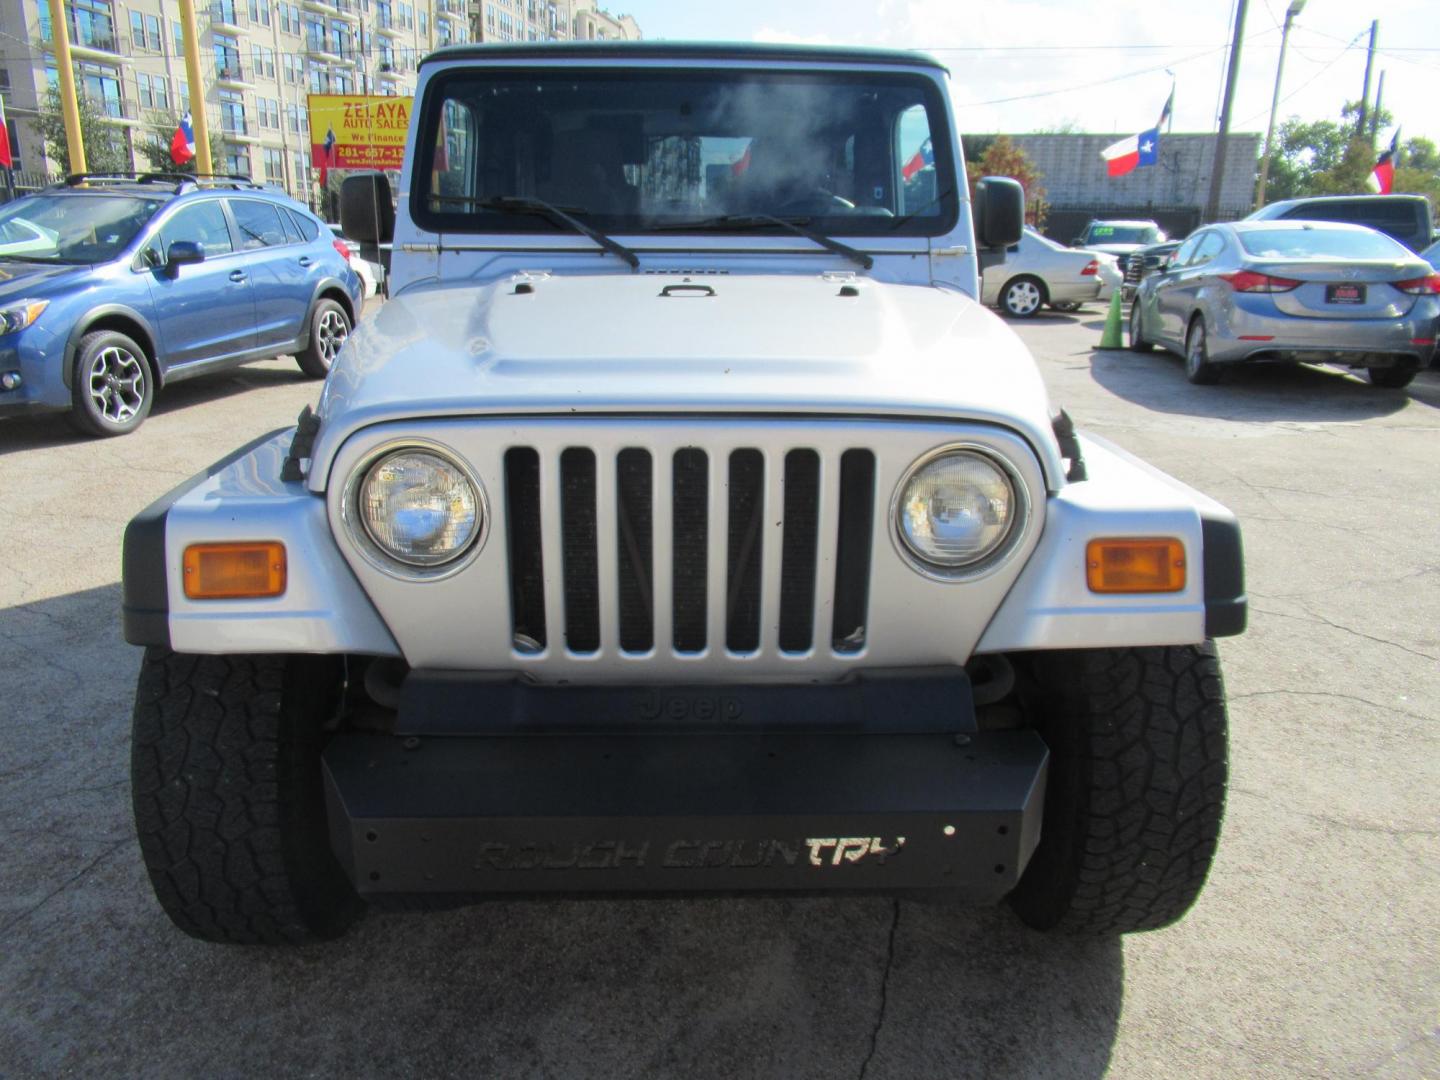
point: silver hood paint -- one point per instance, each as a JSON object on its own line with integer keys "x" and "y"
{"x": 761, "y": 344}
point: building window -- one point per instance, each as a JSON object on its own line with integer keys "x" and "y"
{"x": 227, "y": 56}
{"x": 260, "y": 12}
{"x": 274, "y": 166}
{"x": 232, "y": 113}
{"x": 237, "y": 161}
{"x": 154, "y": 91}
{"x": 178, "y": 32}
{"x": 424, "y": 24}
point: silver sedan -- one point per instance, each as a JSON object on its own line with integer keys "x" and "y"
{"x": 1301, "y": 291}
{"x": 1037, "y": 271}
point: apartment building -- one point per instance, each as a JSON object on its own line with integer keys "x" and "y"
{"x": 549, "y": 20}
{"x": 259, "y": 58}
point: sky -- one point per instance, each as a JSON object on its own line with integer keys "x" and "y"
{"x": 1099, "y": 65}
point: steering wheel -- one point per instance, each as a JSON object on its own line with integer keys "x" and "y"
{"x": 817, "y": 201}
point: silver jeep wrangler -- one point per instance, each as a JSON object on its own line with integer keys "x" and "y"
{"x": 682, "y": 523}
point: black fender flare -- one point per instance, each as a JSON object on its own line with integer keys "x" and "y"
{"x": 324, "y": 285}
{"x": 150, "y": 342}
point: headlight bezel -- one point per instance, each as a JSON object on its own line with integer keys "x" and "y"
{"x": 30, "y": 309}
{"x": 992, "y": 560}
{"x": 377, "y": 556}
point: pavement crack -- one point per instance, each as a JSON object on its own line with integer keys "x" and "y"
{"x": 1311, "y": 616}
{"x": 884, "y": 991}
{"x": 33, "y": 908}
{"x": 1331, "y": 694}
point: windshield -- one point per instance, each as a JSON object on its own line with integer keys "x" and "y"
{"x": 852, "y": 154}
{"x": 1123, "y": 234}
{"x": 1321, "y": 243}
{"x": 72, "y": 228}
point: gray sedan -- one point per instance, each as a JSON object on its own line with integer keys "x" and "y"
{"x": 1304, "y": 291}
{"x": 1037, "y": 271}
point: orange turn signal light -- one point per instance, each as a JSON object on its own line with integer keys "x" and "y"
{"x": 234, "y": 571}
{"x": 1155, "y": 564}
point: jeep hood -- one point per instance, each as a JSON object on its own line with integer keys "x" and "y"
{"x": 666, "y": 343}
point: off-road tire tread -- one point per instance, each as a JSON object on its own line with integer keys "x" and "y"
{"x": 229, "y": 808}
{"x": 1136, "y": 790}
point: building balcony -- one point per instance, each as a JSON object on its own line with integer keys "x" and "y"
{"x": 87, "y": 41}
{"x": 322, "y": 51}
{"x": 229, "y": 16}
{"x": 238, "y": 130}
{"x": 124, "y": 111}
{"x": 386, "y": 27}
{"x": 232, "y": 73}
{"x": 349, "y": 10}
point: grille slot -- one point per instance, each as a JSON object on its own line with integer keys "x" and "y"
{"x": 634, "y": 526}
{"x": 852, "y": 555}
{"x": 746, "y": 542}
{"x": 527, "y": 580}
{"x": 690, "y": 493}
{"x": 579, "y": 556}
{"x": 798, "y": 553}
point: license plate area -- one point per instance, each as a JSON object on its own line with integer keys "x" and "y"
{"x": 1345, "y": 294}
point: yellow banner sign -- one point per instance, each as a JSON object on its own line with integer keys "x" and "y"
{"x": 354, "y": 131}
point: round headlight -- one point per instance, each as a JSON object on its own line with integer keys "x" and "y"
{"x": 956, "y": 509}
{"x": 419, "y": 508}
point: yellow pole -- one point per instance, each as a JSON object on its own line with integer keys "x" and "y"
{"x": 199, "y": 119}
{"x": 60, "y": 29}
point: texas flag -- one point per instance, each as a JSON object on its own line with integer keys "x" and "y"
{"x": 923, "y": 157}
{"x": 182, "y": 143}
{"x": 1132, "y": 153}
{"x": 1382, "y": 178}
{"x": 5, "y": 158}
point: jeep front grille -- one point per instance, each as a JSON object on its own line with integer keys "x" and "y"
{"x": 714, "y": 584}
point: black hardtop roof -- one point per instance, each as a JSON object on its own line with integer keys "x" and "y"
{"x": 1392, "y": 197}
{"x": 682, "y": 50}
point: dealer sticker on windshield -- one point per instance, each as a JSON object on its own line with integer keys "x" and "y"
{"x": 1345, "y": 294}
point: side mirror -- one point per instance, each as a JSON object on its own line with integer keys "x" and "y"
{"x": 183, "y": 251}
{"x": 367, "y": 215}
{"x": 999, "y": 209}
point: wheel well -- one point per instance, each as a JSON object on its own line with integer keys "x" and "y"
{"x": 120, "y": 324}
{"x": 341, "y": 298}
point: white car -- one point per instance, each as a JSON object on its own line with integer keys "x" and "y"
{"x": 19, "y": 237}
{"x": 372, "y": 275}
{"x": 1037, "y": 271}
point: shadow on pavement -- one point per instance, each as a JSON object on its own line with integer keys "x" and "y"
{"x": 52, "y": 429}
{"x": 1256, "y": 392}
{"x": 98, "y": 979}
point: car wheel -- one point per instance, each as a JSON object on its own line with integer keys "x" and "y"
{"x": 1022, "y": 297}
{"x": 1137, "y": 338}
{"x": 1065, "y": 305}
{"x": 1198, "y": 368}
{"x": 229, "y": 796}
{"x": 329, "y": 327}
{"x": 1391, "y": 378}
{"x": 111, "y": 390}
{"x": 1136, "y": 788}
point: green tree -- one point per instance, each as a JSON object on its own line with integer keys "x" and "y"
{"x": 1001, "y": 157}
{"x": 105, "y": 150}
{"x": 154, "y": 147}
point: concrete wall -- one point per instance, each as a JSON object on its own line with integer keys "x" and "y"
{"x": 1075, "y": 174}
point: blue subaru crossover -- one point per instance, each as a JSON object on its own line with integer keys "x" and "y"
{"x": 112, "y": 287}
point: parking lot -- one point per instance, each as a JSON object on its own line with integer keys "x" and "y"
{"x": 1313, "y": 950}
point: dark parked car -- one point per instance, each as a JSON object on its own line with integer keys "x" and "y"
{"x": 1143, "y": 263}
{"x": 1407, "y": 218}
{"x": 116, "y": 286}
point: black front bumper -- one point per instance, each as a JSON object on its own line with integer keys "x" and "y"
{"x": 641, "y": 812}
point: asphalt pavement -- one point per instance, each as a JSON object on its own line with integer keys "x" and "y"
{"x": 1312, "y": 952}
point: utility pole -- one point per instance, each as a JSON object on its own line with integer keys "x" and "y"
{"x": 1369, "y": 63}
{"x": 199, "y": 118}
{"x": 60, "y": 29}
{"x": 1375, "y": 116}
{"x": 1217, "y": 170}
{"x": 1294, "y": 9}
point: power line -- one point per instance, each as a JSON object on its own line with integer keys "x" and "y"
{"x": 1097, "y": 82}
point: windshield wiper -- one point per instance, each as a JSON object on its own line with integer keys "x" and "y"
{"x": 796, "y": 225}
{"x": 524, "y": 204}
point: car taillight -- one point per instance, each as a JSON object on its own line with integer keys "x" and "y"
{"x": 1420, "y": 285}
{"x": 1250, "y": 281}
{"x": 1092, "y": 267}
{"x": 342, "y": 247}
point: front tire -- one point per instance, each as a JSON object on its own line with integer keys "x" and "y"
{"x": 1198, "y": 368}
{"x": 1137, "y": 336}
{"x": 111, "y": 386}
{"x": 229, "y": 799}
{"x": 1022, "y": 297}
{"x": 329, "y": 327}
{"x": 1136, "y": 789}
